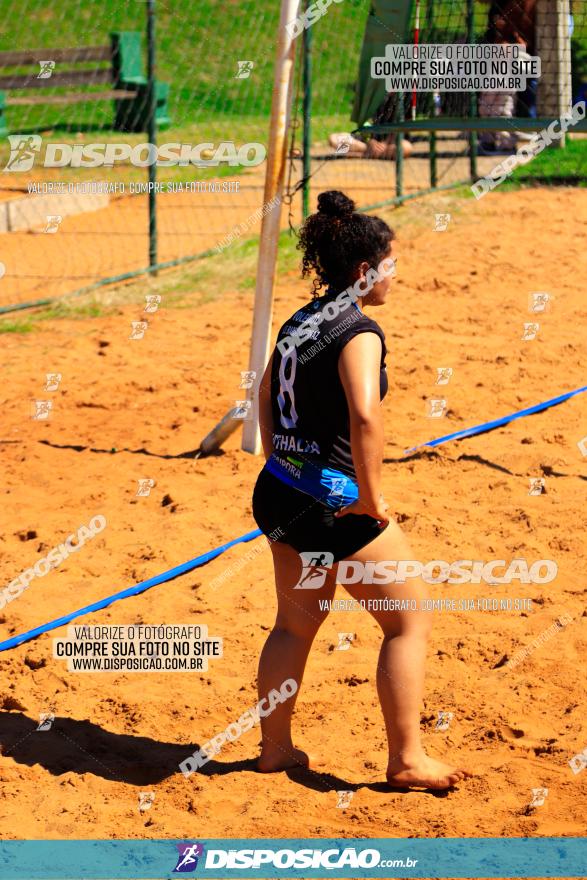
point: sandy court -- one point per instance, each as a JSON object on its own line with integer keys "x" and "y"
{"x": 130, "y": 410}
{"x": 114, "y": 240}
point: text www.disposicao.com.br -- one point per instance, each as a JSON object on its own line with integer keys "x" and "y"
{"x": 134, "y": 664}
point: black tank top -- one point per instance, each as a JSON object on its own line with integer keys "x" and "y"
{"x": 308, "y": 402}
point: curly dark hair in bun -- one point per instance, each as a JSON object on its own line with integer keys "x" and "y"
{"x": 336, "y": 239}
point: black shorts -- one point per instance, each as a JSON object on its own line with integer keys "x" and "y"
{"x": 292, "y": 517}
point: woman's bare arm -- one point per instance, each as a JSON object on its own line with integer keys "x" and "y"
{"x": 359, "y": 369}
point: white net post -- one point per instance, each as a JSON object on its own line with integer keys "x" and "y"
{"x": 276, "y": 162}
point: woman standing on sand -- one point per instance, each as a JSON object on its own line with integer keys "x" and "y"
{"x": 322, "y": 432}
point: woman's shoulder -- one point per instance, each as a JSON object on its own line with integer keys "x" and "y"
{"x": 368, "y": 323}
{"x": 355, "y": 324}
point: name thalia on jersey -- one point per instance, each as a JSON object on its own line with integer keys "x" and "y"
{"x": 290, "y": 444}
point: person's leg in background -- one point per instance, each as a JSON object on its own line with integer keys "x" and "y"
{"x": 526, "y": 101}
{"x": 488, "y": 103}
{"x": 507, "y": 139}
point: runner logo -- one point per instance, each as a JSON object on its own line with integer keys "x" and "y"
{"x": 436, "y": 407}
{"x": 539, "y": 302}
{"x": 23, "y": 149}
{"x": 578, "y": 762}
{"x": 443, "y": 375}
{"x": 146, "y": 798}
{"x": 344, "y": 145}
{"x": 441, "y": 222}
{"x": 244, "y": 69}
{"x": 53, "y": 221}
{"x": 53, "y": 380}
{"x": 315, "y": 565}
{"x": 539, "y": 795}
{"x": 152, "y": 302}
{"x": 46, "y": 720}
{"x": 47, "y": 68}
{"x": 344, "y": 799}
{"x": 337, "y": 487}
{"x": 443, "y": 720}
{"x": 187, "y": 861}
{"x": 531, "y": 329}
{"x": 344, "y": 641}
{"x": 145, "y": 487}
{"x": 243, "y": 409}
{"x": 139, "y": 328}
{"x": 42, "y": 409}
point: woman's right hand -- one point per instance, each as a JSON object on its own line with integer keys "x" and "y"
{"x": 369, "y": 508}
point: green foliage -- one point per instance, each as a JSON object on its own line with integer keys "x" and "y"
{"x": 198, "y": 47}
{"x": 9, "y": 326}
{"x": 556, "y": 166}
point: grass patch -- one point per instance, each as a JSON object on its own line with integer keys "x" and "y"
{"x": 198, "y": 46}
{"x": 206, "y": 279}
{"x": 191, "y": 284}
{"x": 72, "y": 309}
{"x": 75, "y": 310}
{"x": 554, "y": 166}
{"x": 7, "y": 325}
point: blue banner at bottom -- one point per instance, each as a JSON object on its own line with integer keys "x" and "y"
{"x": 307, "y": 858}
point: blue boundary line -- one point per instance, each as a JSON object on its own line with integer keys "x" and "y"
{"x": 204, "y": 558}
{"x": 130, "y": 591}
{"x": 498, "y": 423}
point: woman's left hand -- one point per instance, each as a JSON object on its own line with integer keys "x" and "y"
{"x": 361, "y": 508}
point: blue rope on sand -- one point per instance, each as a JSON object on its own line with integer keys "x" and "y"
{"x": 131, "y": 591}
{"x": 212, "y": 554}
{"x": 498, "y": 423}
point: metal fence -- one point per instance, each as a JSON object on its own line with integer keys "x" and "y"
{"x": 101, "y": 72}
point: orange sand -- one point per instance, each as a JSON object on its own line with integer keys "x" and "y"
{"x": 460, "y": 301}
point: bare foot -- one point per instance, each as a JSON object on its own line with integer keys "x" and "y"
{"x": 275, "y": 760}
{"x": 425, "y": 772}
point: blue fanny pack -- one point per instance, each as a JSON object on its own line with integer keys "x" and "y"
{"x": 327, "y": 485}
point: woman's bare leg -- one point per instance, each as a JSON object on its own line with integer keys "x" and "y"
{"x": 400, "y": 669}
{"x": 285, "y": 653}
